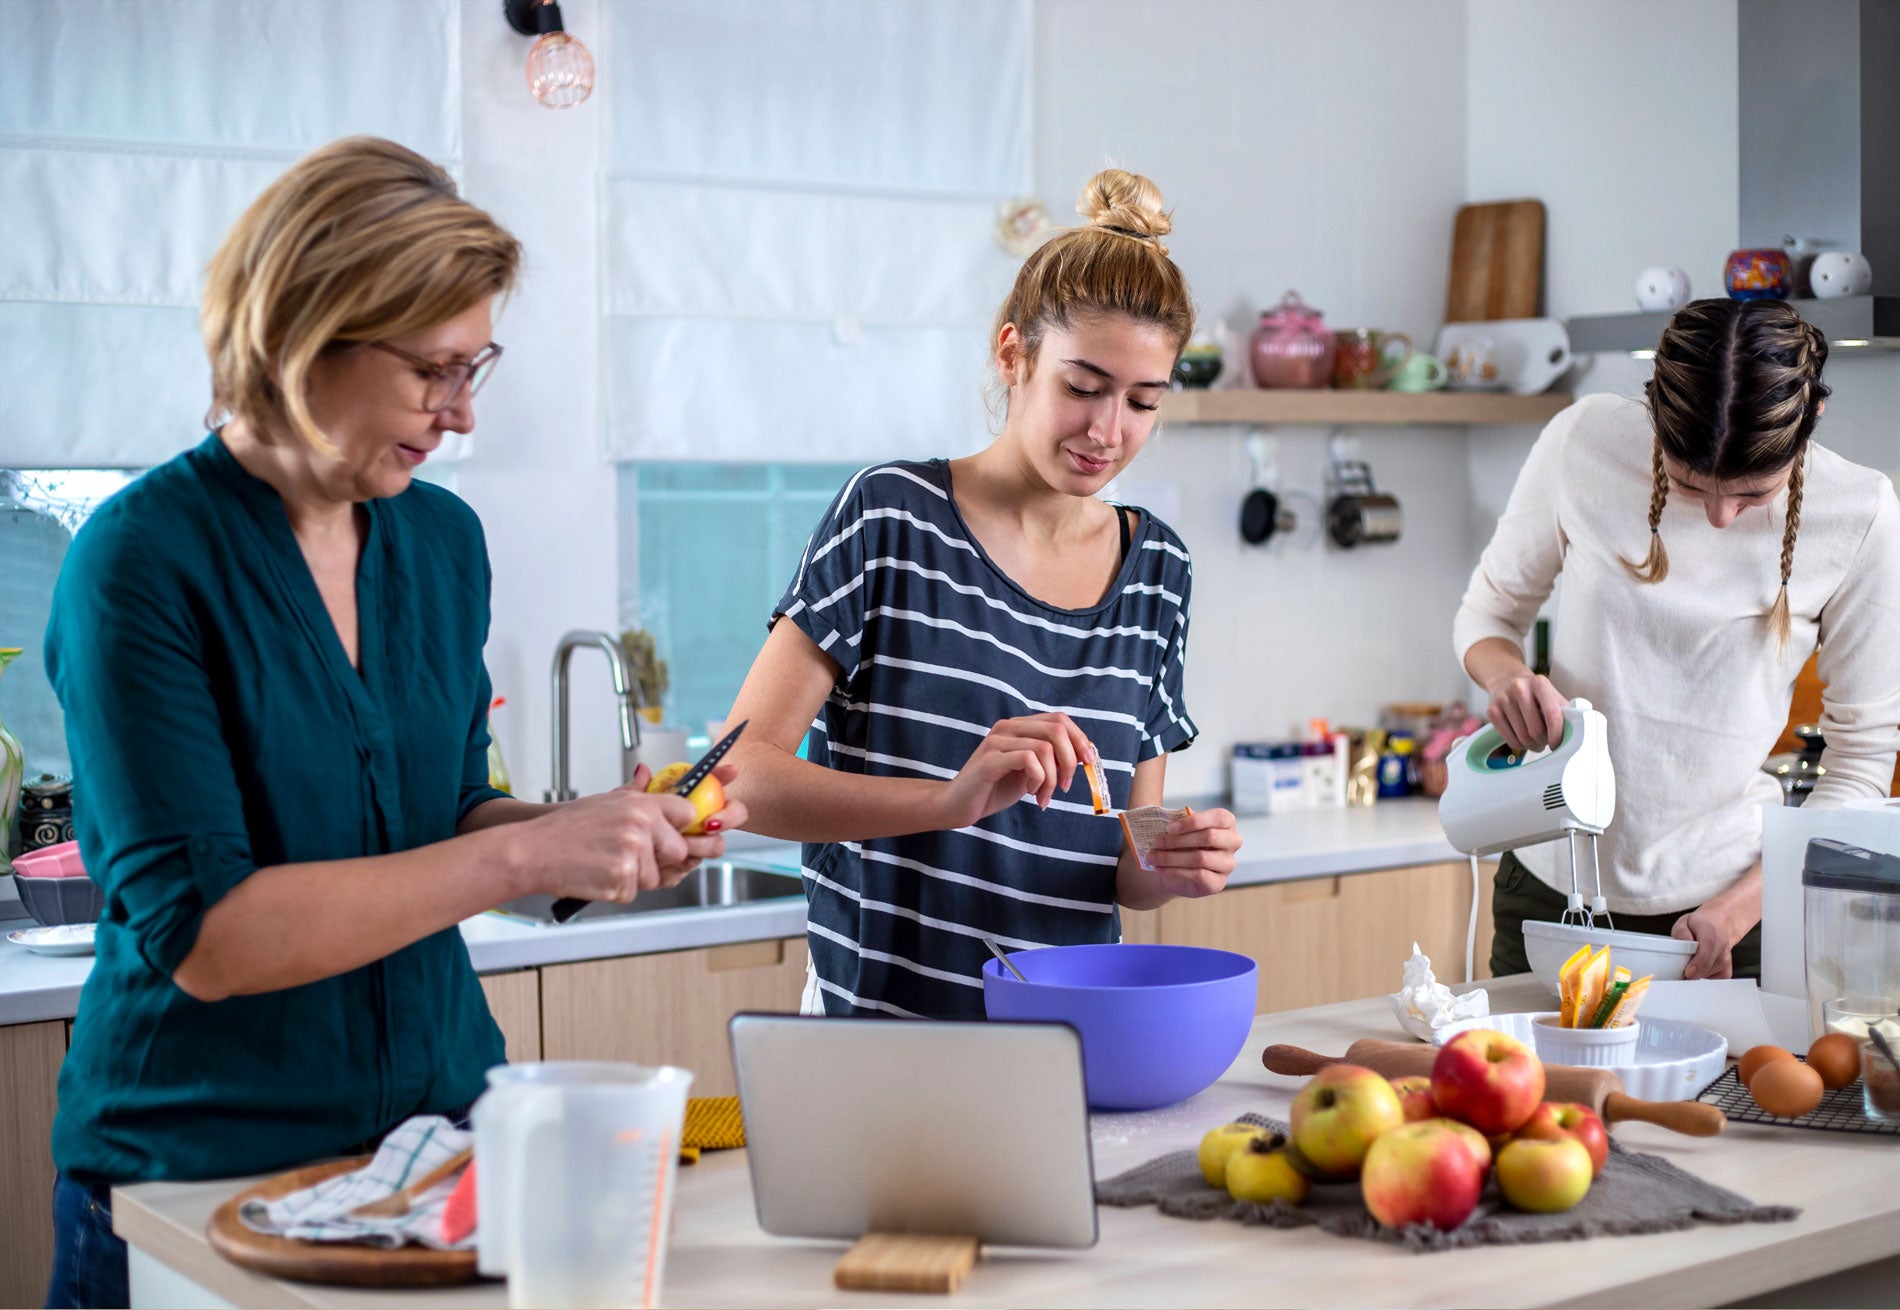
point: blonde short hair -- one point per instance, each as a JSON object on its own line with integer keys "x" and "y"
{"x": 360, "y": 240}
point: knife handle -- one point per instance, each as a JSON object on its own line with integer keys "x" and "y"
{"x": 567, "y": 907}
{"x": 1695, "y": 1118}
{"x": 1294, "y": 1060}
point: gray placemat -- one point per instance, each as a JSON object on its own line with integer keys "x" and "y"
{"x": 1634, "y": 1194}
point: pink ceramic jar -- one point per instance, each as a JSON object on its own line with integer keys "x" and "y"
{"x": 1292, "y": 347}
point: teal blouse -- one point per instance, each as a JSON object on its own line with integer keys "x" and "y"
{"x": 217, "y": 726}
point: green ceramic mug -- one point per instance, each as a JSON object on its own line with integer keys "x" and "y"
{"x": 1421, "y": 372}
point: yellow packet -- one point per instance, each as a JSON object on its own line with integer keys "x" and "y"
{"x": 1595, "y": 980}
{"x": 1625, "y": 1011}
{"x": 1568, "y": 977}
{"x": 1098, "y": 789}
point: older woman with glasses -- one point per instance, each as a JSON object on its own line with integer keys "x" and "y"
{"x": 269, "y": 653}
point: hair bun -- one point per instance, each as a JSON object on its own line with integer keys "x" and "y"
{"x": 1126, "y": 202}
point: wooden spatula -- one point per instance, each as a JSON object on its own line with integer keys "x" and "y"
{"x": 1599, "y": 1089}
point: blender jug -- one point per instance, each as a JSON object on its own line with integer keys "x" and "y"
{"x": 1851, "y": 907}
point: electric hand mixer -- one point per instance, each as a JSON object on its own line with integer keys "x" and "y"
{"x": 1497, "y": 799}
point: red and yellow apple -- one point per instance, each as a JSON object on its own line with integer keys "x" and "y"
{"x": 707, "y": 798}
{"x": 1260, "y": 1171}
{"x": 1415, "y": 1097}
{"x": 1544, "y": 1175}
{"x": 1221, "y": 1145}
{"x": 1422, "y": 1173}
{"x": 1487, "y": 1079}
{"x": 1478, "y": 1144}
{"x": 1554, "y": 1119}
{"x": 1338, "y": 1115}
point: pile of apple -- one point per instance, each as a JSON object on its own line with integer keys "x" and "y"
{"x": 1421, "y": 1147}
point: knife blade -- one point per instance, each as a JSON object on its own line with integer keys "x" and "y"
{"x": 569, "y": 906}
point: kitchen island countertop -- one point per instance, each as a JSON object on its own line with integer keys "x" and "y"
{"x": 719, "y": 1256}
{"x": 1278, "y": 848}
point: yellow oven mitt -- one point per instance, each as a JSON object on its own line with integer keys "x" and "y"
{"x": 713, "y": 1123}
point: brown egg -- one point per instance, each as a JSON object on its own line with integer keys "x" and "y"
{"x": 1786, "y": 1089}
{"x": 1836, "y": 1057}
{"x": 1756, "y": 1057}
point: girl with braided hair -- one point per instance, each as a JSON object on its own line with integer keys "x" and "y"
{"x": 1688, "y": 628}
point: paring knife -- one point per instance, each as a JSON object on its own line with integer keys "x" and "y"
{"x": 569, "y": 906}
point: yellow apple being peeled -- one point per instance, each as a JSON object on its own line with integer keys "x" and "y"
{"x": 1260, "y": 1171}
{"x": 708, "y": 798}
{"x": 1219, "y": 1147}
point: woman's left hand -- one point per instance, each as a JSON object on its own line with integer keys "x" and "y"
{"x": 1709, "y": 929}
{"x": 1718, "y": 923}
{"x": 1196, "y": 854}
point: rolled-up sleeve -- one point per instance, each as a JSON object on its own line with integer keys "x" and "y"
{"x": 1859, "y": 666}
{"x": 1515, "y": 574}
{"x": 157, "y": 806}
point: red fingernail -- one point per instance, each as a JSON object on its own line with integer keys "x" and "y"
{"x": 714, "y": 825}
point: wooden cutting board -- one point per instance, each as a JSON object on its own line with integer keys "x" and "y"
{"x": 328, "y": 1262}
{"x": 1600, "y": 1089}
{"x": 1497, "y": 262}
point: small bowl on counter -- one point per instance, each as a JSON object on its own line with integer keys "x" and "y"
{"x": 1644, "y": 954}
{"x": 1592, "y": 1048}
{"x": 53, "y": 886}
{"x": 1158, "y": 1023}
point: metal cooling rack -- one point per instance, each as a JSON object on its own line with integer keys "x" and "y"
{"x": 1839, "y": 1112}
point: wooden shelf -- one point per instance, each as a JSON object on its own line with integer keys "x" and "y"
{"x": 1462, "y": 408}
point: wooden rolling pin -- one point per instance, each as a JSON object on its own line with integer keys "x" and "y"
{"x": 1599, "y": 1089}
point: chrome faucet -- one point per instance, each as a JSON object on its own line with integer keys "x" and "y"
{"x": 626, "y": 690}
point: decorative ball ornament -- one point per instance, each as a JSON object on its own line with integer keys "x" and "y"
{"x": 1836, "y": 273}
{"x": 1662, "y": 289}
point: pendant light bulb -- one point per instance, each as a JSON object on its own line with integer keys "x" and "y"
{"x": 560, "y": 71}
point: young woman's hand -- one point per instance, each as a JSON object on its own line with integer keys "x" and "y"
{"x": 1037, "y": 755}
{"x": 1196, "y": 854}
{"x": 1526, "y": 709}
{"x": 1708, "y": 928}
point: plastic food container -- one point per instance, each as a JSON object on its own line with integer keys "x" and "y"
{"x": 1158, "y": 1023}
{"x": 1593, "y": 1048}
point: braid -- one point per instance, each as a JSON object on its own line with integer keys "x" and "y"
{"x": 1655, "y": 565}
{"x": 1778, "y": 615}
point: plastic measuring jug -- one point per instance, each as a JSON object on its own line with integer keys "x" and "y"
{"x": 575, "y": 1169}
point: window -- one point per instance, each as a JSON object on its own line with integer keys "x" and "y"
{"x": 711, "y": 549}
{"x": 40, "y": 510}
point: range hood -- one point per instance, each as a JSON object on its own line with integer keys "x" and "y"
{"x": 1820, "y": 160}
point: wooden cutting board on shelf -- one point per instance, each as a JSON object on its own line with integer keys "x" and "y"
{"x": 1497, "y": 262}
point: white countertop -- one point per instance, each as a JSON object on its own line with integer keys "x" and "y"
{"x": 1276, "y": 848}
{"x": 1841, "y": 1182}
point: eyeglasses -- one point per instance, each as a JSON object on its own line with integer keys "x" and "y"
{"x": 446, "y": 381}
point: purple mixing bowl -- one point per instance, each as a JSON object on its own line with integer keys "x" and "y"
{"x": 1158, "y": 1023}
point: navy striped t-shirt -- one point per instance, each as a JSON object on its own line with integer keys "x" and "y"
{"x": 936, "y": 644}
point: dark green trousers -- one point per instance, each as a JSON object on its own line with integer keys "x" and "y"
{"x": 1517, "y": 895}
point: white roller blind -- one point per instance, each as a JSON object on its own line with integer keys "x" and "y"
{"x": 132, "y": 133}
{"x": 798, "y": 255}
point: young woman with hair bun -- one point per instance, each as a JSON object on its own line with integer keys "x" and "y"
{"x": 963, "y": 635}
{"x": 1688, "y": 624}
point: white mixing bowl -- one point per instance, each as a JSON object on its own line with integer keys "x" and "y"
{"x": 1643, "y": 953}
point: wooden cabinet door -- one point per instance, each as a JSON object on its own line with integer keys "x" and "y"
{"x": 30, "y": 1055}
{"x": 1322, "y": 940}
{"x": 670, "y": 1008}
{"x": 515, "y": 1001}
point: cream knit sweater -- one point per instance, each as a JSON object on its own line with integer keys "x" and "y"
{"x": 1687, "y": 670}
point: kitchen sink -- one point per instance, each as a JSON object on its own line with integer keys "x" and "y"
{"x": 713, "y": 885}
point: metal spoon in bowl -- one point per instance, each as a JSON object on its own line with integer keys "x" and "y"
{"x": 1886, "y": 1050}
{"x": 997, "y": 951}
